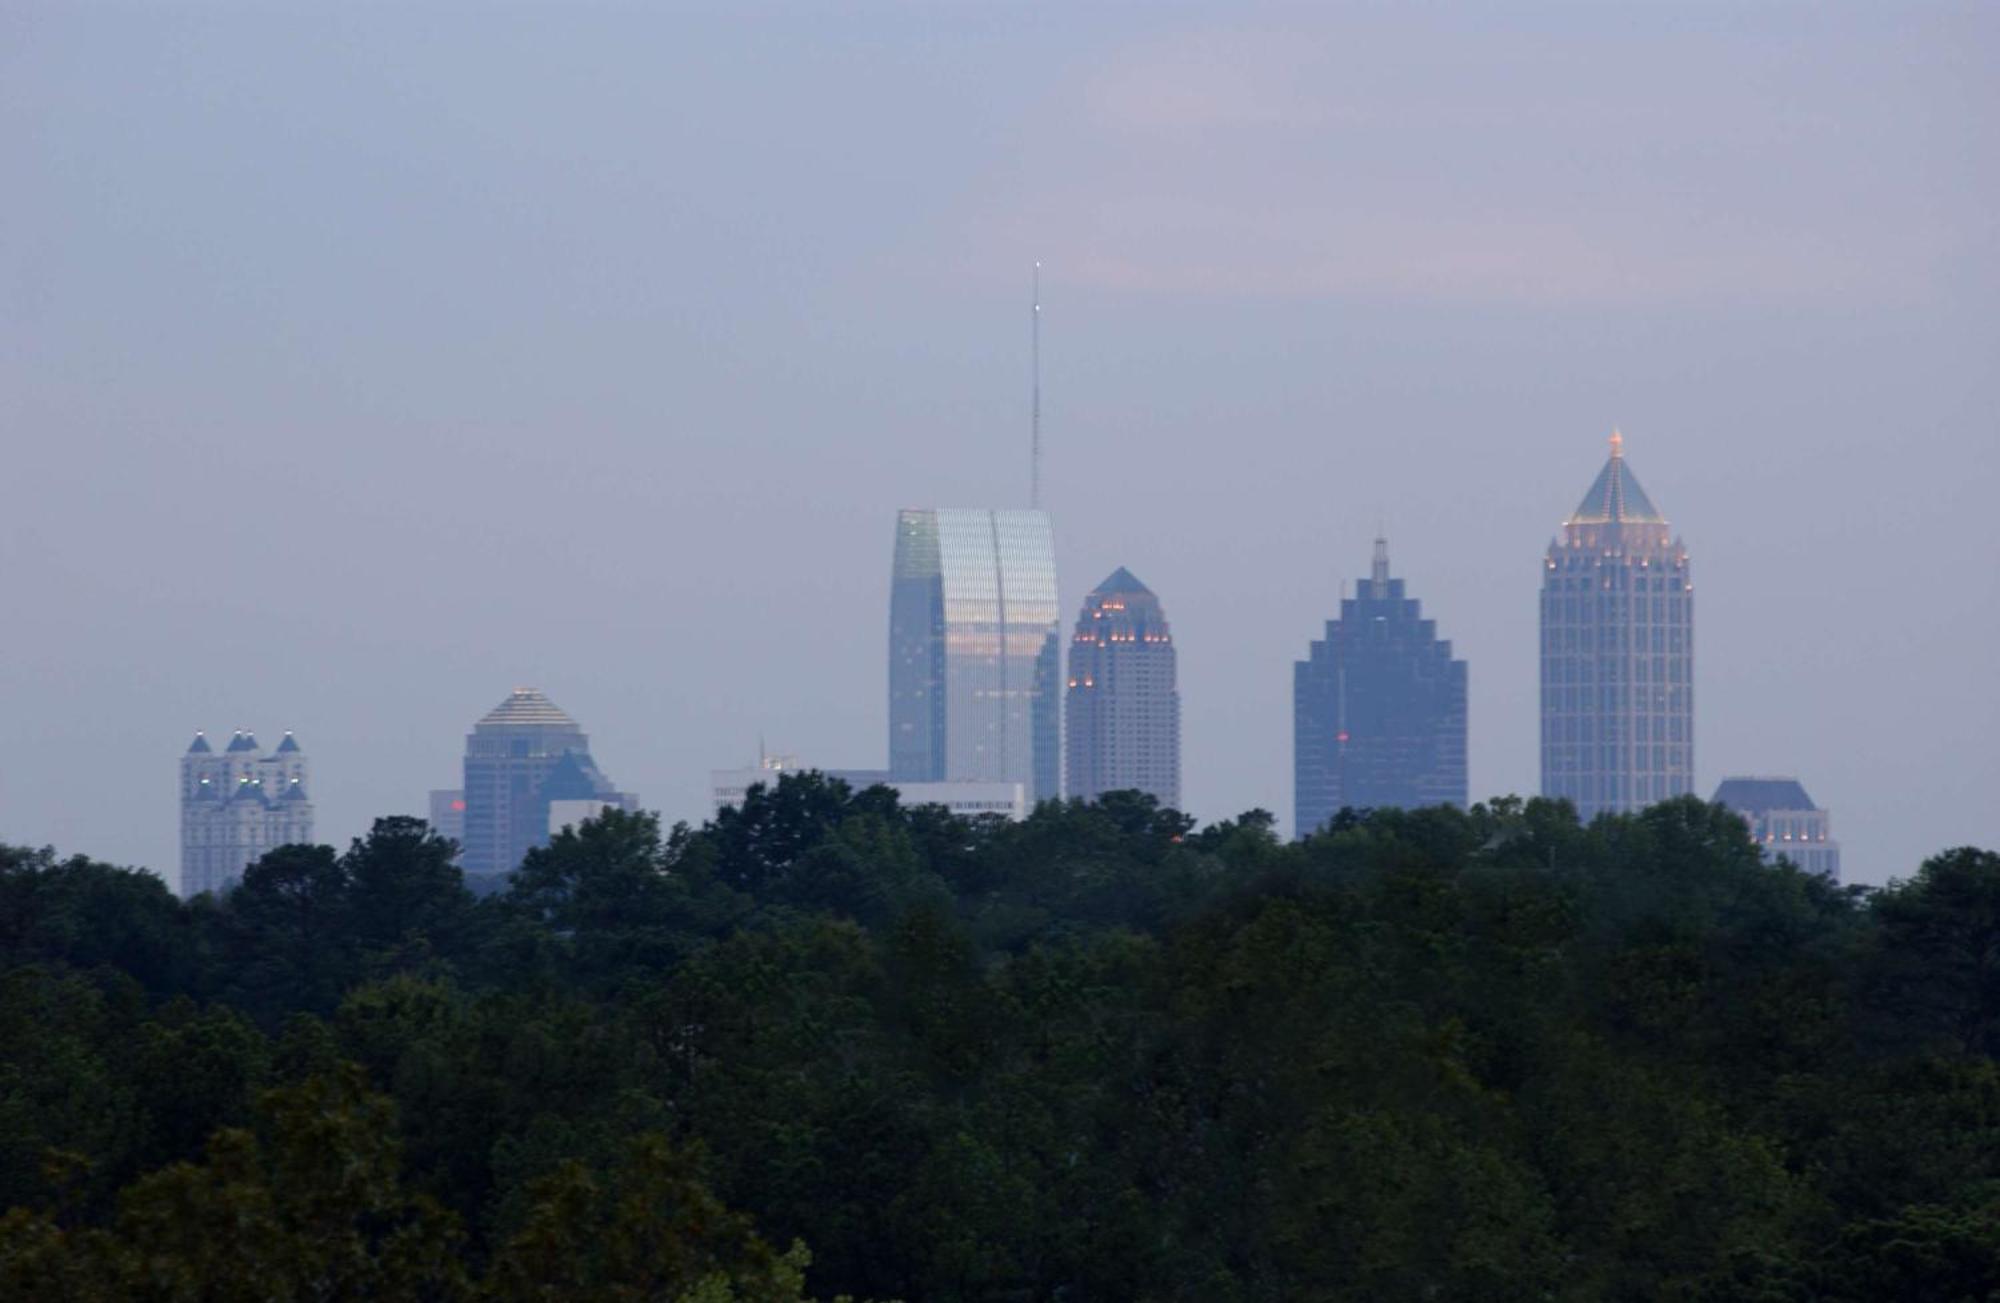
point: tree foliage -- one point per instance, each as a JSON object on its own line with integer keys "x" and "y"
{"x": 1444, "y": 1055}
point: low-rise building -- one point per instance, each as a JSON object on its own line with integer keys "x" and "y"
{"x": 1784, "y": 822}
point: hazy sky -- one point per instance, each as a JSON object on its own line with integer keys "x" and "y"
{"x": 361, "y": 362}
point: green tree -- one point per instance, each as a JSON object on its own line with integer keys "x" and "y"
{"x": 648, "y": 1230}
{"x": 1936, "y": 971}
{"x": 308, "y": 1206}
{"x": 287, "y": 927}
{"x": 403, "y": 890}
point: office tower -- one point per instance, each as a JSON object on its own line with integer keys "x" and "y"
{"x": 1617, "y": 652}
{"x": 523, "y": 754}
{"x": 1123, "y": 729}
{"x": 729, "y": 787}
{"x": 1784, "y": 822}
{"x": 237, "y": 805}
{"x": 974, "y": 656}
{"x": 1378, "y": 708}
{"x": 448, "y": 813}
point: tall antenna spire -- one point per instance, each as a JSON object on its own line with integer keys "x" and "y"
{"x": 1035, "y": 402}
{"x": 1378, "y": 573}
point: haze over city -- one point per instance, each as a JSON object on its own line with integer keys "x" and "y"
{"x": 357, "y": 368}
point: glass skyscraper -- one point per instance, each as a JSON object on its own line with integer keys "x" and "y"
{"x": 1617, "y": 652}
{"x": 523, "y": 754}
{"x": 1378, "y": 709}
{"x": 974, "y": 652}
{"x": 1124, "y": 708}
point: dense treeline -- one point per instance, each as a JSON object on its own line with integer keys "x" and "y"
{"x": 1437, "y": 1055}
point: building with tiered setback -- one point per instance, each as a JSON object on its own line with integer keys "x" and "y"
{"x": 525, "y": 754}
{"x": 1123, "y": 727}
{"x": 1378, "y": 709}
{"x": 1617, "y": 652}
{"x": 236, "y": 806}
{"x": 1784, "y": 822}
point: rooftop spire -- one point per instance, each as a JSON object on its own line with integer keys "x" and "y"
{"x": 1378, "y": 574}
{"x": 1035, "y": 400}
{"x": 1615, "y": 497}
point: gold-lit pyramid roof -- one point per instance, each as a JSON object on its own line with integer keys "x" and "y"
{"x": 1615, "y": 497}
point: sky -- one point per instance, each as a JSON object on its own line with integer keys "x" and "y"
{"x": 360, "y": 363}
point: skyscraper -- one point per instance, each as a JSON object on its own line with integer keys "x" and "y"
{"x": 1617, "y": 652}
{"x": 238, "y": 805}
{"x": 974, "y": 657}
{"x": 524, "y": 753}
{"x": 1124, "y": 724}
{"x": 1784, "y": 822}
{"x": 1378, "y": 708}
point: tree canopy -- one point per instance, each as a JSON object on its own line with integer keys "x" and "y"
{"x": 830, "y": 1045}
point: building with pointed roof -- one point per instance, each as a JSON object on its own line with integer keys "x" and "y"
{"x": 1617, "y": 652}
{"x": 238, "y": 805}
{"x": 1378, "y": 708}
{"x": 1123, "y": 703}
{"x": 520, "y": 756}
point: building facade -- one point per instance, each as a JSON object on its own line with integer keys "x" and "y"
{"x": 1784, "y": 822}
{"x": 729, "y": 787}
{"x": 448, "y": 813}
{"x": 1123, "y": 710}
{"x": 1617, "y": 652}
{"x": 524, "y": 754}
{"x": 237, "y": 805}
{"x": 974, "y": 653}
{"x": 1378, "y": 708}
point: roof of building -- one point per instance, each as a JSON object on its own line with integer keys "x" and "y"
{"x": 248, "y": 789}
{"x": 198, "y": 747}
{"x": 242, "y": 742}
{"x": 289, "y": 744}
{"x": 575, "y": 777}
{"x": 1122, "y": 580}
{"x": 1615, "y": 497}
{"x": 526, "y": 707}
{"x": 294, "y": 791}
{"x": 1756, "y": 795}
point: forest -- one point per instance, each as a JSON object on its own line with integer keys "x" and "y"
{"x": 828, "y": 1046}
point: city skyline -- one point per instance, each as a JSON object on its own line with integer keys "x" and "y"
{"x": 418, "y": 358}
{"x": 952, "y": 570}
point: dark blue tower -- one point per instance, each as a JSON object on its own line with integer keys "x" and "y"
{"x": 1378, "y": 709}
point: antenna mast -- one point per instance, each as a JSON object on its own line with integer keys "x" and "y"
{"x": 1035, "y": 405}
